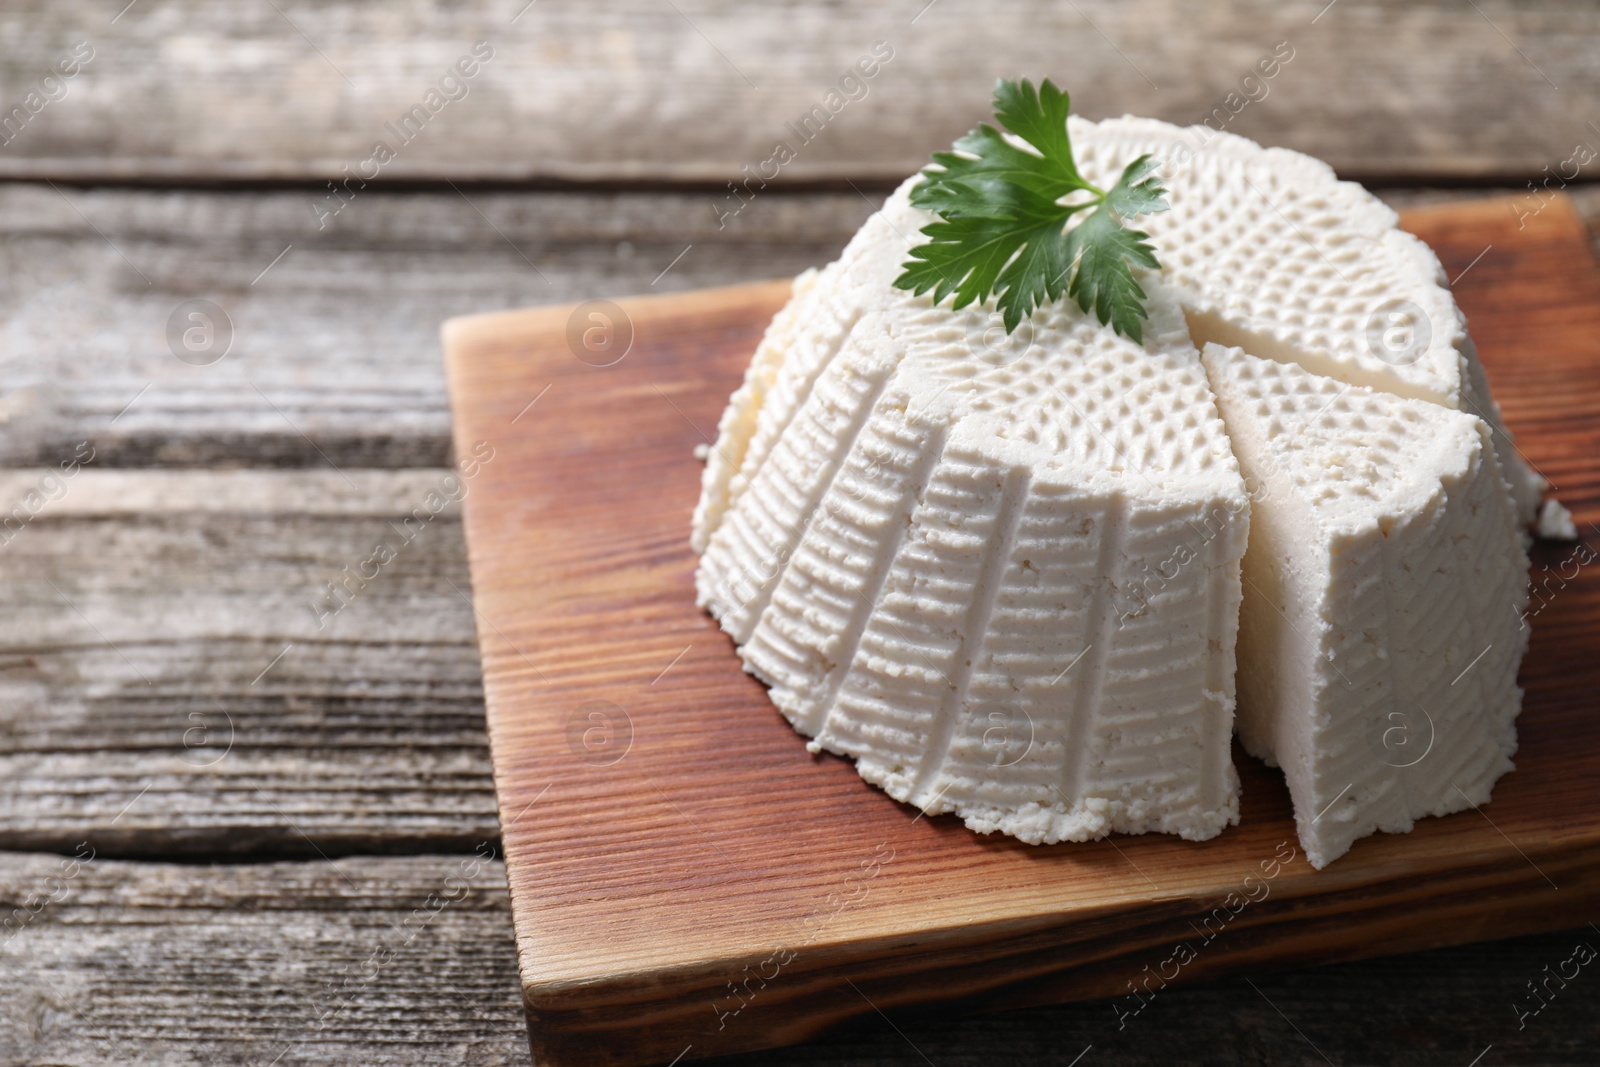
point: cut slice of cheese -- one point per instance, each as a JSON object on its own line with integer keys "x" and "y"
{"x": 1271, "y": 252}
{"x": 1002, "y": 574}
{"x": 1384, "y": 586}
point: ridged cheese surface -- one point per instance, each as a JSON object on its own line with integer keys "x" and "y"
{"x": 1384, "y": 586}
{"x": 1271, "y": 252}
{"x": 1003, "y": 575}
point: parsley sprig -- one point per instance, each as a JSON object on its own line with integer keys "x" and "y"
{"x": 1003, "y": 226}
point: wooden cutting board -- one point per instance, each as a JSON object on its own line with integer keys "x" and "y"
{"x": 687, "y": 881}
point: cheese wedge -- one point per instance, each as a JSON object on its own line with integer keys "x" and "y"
{"x": 1384, "y": 585}
{"x": 1271, "y": 252}
{"x": 1002, "y": 574}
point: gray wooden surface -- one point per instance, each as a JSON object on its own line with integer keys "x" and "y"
{"x": 694, "y": 89}
{"x": 291, "y": 820}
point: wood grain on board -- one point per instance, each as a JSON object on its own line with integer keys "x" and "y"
{"x": 687, "y": 880}
{"x": 640, "y": 90}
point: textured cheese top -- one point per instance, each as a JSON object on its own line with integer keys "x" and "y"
{"x": 1075, "y": 400}
{"x": 1271, "y": 252}
{"x": 1354, "y": 456}
{"x": 1030, "y": 391}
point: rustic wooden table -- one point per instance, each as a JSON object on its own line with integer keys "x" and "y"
{"x": 243, "y": 829}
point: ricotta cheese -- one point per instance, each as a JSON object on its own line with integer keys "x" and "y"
{"x": 1003, "y": 576}
{"x": 1555, "y": 522}
{"x": 1004, "y": 573}
{"x": 1271, "y": 252}
{"x": 1384, "y": 585}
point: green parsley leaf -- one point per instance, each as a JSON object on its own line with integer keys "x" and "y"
{"x": 1106, "y": 252}
{"x": 1004, "y": 229}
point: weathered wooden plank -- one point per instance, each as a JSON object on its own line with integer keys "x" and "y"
{"x": 363, "y": 960}
{"x": 405, "y": 961}
{"x": 176, "y": 678}
{"x": 636, "y": 89}
{"x": 335, "y": 349}
{"x": 334, "y": 353}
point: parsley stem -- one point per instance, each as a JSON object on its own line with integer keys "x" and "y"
{"x": 1099, "y": 197}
